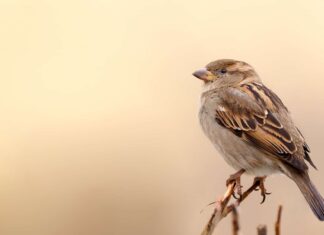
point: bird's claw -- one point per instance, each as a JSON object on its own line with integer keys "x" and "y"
{"x": 235, "y": 196}
{"x": 264, "y": 197}
{"x": 261, "y": 187}
{"x": 236, "y": 178}
{"x": 237, "y": 193}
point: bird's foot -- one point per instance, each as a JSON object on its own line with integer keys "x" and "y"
{"x": 260, "y": 182}
{"x": 236, "y": 178}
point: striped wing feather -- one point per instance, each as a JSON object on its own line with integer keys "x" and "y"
{"x": 250, "y": 113}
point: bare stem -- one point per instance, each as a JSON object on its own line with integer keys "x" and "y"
{"x": 222, "y": 208}
{"x": 262, "y": 230}
{"x": 235, "y": 221}
{"x": 278, "y": 221}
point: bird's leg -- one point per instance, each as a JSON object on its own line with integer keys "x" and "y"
{"x": 236, "y": 178}
{"x": 260, "y": 181}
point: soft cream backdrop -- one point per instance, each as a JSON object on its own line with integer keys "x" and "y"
{"x": 99, "y": 131}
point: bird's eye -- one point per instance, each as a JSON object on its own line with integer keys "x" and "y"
{"x": 223, "y": 71}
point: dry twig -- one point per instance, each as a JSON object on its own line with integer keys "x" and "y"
{"x": 235, "y": 222}
{"x": 278, "y": 221}
{"x": 262, "y": 230}
{"x": 222, "y": 208}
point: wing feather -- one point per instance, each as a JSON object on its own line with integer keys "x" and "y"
{"x": 252, "y": 117}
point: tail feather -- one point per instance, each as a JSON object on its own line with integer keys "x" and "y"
{"x": 312, "y": 196}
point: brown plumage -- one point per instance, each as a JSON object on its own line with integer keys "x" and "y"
{"x": 252, "y": 128}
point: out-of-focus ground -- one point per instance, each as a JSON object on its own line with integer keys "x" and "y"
{"x": 98, "y": 108}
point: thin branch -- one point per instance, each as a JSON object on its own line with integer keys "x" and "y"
{"x": 262, "y": 230}
{"x": 235, "y": 222}
{"x": 278, "y": 221}
{"x": 219, "y": 209}
{"x": 222, "y": 209}
{"x": 254, "y": 186}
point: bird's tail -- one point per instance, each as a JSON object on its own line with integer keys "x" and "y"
{"x": 312, "y": 196}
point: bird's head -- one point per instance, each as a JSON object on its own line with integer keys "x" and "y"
{"x": 227, "y": 72}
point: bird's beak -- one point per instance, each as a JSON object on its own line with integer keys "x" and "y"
{"x": 203, "y": 74}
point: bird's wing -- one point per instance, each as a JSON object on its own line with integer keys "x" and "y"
{"x": 251, "y": 113}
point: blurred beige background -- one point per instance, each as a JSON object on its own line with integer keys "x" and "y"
{"x": 99, "y": 130}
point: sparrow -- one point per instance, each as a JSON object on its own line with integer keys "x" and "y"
{"x": 252, "y": 129}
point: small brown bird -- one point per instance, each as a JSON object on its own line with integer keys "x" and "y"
{"x": 252, "y": 129}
